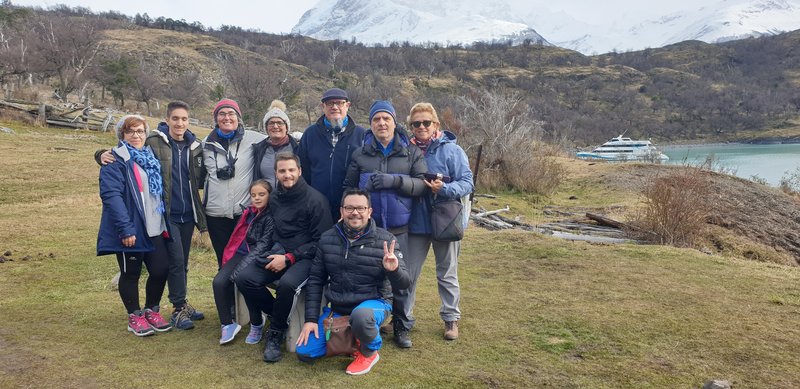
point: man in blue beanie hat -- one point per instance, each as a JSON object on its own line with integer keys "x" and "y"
{"x": 327, "y": 145}
{"x": 392, "y": 169}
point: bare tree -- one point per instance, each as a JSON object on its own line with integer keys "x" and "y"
{"x": 147, "y": 83}
{"x": 67, "y": 46}
{"x": 333, "y": 53}
{"x": 188, "y": 87}
{"x": 513, "y": 155}
{"x": 13, "y": 46}
{"x": 251, "y": 84}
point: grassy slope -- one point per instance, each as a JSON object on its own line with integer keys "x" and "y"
{"x": 537, "y": 311}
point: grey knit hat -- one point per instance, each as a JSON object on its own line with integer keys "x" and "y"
{"x": 121, "y": 123}
{"x": 277, "y": 109}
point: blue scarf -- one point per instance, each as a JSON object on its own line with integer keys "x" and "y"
{"x": 152, "y": 167}
{"x": 223, "y": 135}
{"x": 336, "y": 130}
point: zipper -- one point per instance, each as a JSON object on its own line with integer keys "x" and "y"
{"x": 330, "y": 172}
{"x": 190, "y": 164}
{"x": 180, "y": 181}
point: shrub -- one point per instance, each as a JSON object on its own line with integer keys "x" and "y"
{"x": 676, "y": 209}
{"x": 513, "y": 155}
{"x": 790, "y": 182}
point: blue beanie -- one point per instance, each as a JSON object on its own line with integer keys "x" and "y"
{"x": 381, "y": 106}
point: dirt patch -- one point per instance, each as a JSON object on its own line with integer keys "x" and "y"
{"x": 759, "y": 213}
{"x": 10, "y": 256}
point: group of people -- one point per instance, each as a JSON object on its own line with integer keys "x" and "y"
{"x": 344, "y": 215}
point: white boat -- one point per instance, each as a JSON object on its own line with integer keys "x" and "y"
{"x": 625, "y": 149}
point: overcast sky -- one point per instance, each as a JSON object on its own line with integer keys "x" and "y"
{"x": 267, "y": 16}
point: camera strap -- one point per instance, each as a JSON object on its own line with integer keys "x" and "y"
{"x": 231, "y": 160}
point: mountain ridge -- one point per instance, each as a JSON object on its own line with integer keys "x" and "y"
{"x": 468, "y": 22}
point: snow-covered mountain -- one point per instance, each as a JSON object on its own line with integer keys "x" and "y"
{"x": 587, "y": 26}
{"x": 415, "y": 21}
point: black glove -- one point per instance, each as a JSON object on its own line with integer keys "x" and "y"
{"x": 385, "y": 181}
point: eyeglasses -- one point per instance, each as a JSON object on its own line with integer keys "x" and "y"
{"x": 337, "y": 103}
{"x": 350, "y": 209}
{"x": 226, "y": 114}
{"x": 278, "y": 123}
{"x": 139, "y": 133}
{"x": 426, "y": 123}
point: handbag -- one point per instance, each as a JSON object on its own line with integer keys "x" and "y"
{"x": 447, "y": 220}
{"x": 339, "y": 338}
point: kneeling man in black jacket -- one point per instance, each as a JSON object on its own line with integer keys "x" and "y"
{"x": 355, "y": 260}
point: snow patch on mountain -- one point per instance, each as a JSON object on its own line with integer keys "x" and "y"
{"x": 386, "y": 21}
{"x": 589, "y": 27}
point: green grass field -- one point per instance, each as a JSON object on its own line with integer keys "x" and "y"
{"x": 537, "y": 312}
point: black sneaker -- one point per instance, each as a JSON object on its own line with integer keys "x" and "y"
{"x": 193, "y": 313}
{"x": 272, "y": 353}
{"x": 401, "y": 337}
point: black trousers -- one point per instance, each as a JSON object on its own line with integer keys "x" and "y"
{"x": 220, "y": 230}
{"x": 252, "y": 282}
{"x": 179, "y": 261}
{"x": 130, "y": 267}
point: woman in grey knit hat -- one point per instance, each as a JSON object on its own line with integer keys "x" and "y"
{"x": 278, "y": 127}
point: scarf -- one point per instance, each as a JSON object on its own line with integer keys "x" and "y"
{"x": 336, "y": 130}
{"x": 422, "y": 145}
{"x": 276, "y": 144}
{"x": 224, "y": 135}
{"x": 147, "y": 161}
{"x": 353, "y": 234}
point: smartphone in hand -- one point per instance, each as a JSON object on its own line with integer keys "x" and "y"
{"x": 434, "y": 176}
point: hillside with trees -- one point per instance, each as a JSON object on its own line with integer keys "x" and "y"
{"x": 690, "y": 91}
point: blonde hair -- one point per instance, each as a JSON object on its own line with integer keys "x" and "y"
{"x": 423, "y": 107}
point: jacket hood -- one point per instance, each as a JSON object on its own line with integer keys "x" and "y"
{"x": 122, "y": 151}
{"x": 446, "y": 137}
{"x": 163, "y": 131}
{"x": 399, "y": 134}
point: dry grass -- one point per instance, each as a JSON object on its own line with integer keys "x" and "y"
{"x": 538, "y": 312}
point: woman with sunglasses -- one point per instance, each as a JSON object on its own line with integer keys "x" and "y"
{"x": 133, "y": 226}
{"x": 453, "y": 180}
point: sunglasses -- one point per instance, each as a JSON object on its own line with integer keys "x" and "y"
{"x": 426, "y": 123}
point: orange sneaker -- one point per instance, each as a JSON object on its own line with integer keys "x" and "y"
{"x": 362, "y": 365}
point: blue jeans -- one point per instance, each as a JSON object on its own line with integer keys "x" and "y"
{"x": 365, "y": 320}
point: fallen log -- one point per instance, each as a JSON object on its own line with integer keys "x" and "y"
{"x": 517, "y": 223}
{"x": 489, "y": 213}
{"x": 491, "y": 224}
{"x": 605, "y": 221}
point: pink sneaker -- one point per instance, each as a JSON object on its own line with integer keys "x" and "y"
{"x": 139, "y": 325}
{"x": 156, "y": 321}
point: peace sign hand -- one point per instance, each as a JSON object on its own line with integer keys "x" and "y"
{"x": 390, "y": 262}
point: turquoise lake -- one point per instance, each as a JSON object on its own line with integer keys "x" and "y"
{"x": 770, "y": 162}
